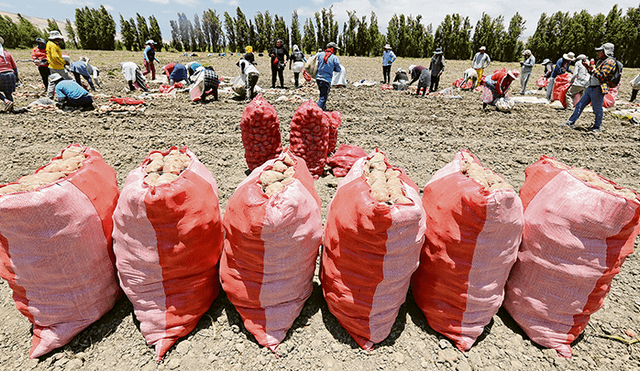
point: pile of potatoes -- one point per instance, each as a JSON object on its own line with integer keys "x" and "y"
{"x": 487, "y": 178}
{"x": 165, "y": 169}
{"x": 71, "y": 161}
{"x": 275, "y": 179}
{"x": 386, "y": 187}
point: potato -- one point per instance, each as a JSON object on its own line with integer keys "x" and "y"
{"x": 152, "y": 179}
{"x": 288, "y": 160}
{"x": 595, "y": 180}
{"x": 10, "y": 188}
{"x": 377, "y": 157}
{"x": 286, "y": 181}
{"x": 67, "y": 166}
{"x": 155, "y": 165}
{"x": 279, "y": 166}
{"x": 381, "y": 166}
{"x": 290, "y": 172}
{"x": 156, "y": 156}
{"x": 380, "y": 194}
{"x": 269, "y": 177}
{"x": 401, "y": 200}
{"x": 72, "y": 151}
{"x": 172, "y": 165}
{"x": 274, "y": 188}
{"x": 167, "y": 178}
{"x": 390, "y": 173}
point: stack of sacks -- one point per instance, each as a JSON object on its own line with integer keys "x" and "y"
{"x": 168, "y": 240}
{"x": 273, "y": 227}
{"x": 56, "y": 246}
{"x": 474, "y": 228}
{"x": 373, "y": 235}
{"x": 579, "y": 229}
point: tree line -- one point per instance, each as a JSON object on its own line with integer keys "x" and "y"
{"x": 554, "y": 35}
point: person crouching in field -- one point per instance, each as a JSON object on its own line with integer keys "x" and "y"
{"x": 250, "y": 73}
{"x": 70, "y": 94}
{"x": 133, "y": 76}
{"x": 206, "y": 79}
{"x": 415, "y": 72}
{"x": 424, "y": 82}
{"x": 176, "y": 72}
{"x": 327, "y": 64}
{"x": 469, "y": 74}
{"x": 8, "y": 77}
{"x": 82, "y": 68}
{"x": 497, "y": 86}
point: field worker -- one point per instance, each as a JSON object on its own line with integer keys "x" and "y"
{"x": 497, "y": 86}
{"x": 251, "y": 75}
{"x": 562, "y": 66}
{"x": 191, "y": 70}
{"x": 82, "y": 68}
{"x": 56, "y": 62}
{"x": 388, "y": 57}
{"x": 479, "y": 62}
{"x": 527, "y": 68}
{"x": 415, "y": 72}
{"x": 248, "y": 55}
{"x": 39, "y": 57}
{"x": 579, "y": 81}
{"x": 437, "y": 67}
{"x": 149, "y": 56}
{"x": 635, "y": 86}
{"x": 206, "y": 79}
{"x": 134, "y": 77}
{"x": 278, "y": 56}
{"x": 297, "y": 59}
{"x": 470, "y": 74}
{"x": 600, "y": 75}
{"x": 424, "y": 82}
{"x": 175, "y": 72}
{"x": 70, "y": 94}
{"x": 401, "y": 76}
{"x": 8, "y": 77}
{"x": 328, "y": 63}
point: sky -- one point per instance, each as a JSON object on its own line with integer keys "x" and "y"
{"x": 432, "y": 12}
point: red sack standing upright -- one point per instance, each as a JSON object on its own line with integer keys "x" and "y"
{"x": 371, "y": 248}
{"x": 474, "y": 228}
{"x": 309, "y": 137}
{"x": 168, "y": 240}
{"x": 335, "y": 120}
{"x": 579, "y": 229}
{"x": 260, "y": 129}
{"x": 273, "y": 227}
{"x": 56, "y": 251}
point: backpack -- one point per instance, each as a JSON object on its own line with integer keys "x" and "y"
{"x": 614, "y": 80}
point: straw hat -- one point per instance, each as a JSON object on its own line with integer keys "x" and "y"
{"x": 387, "y": 46}
{"x": 526, "y": 52}
{"x": 569, "y": 56}
{"x": 438, "y": 51}
{"x": 483, "y": 48}
{"x": 55, "y": 35}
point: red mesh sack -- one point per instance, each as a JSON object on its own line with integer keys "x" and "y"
{"x": 56, "y": 251}
{"x": 167, "y": 241}
{"x": 260, "y": 129}
{"x": 335, "y": 120}
{"x": 270, "y": 250}
{"x": 309, "y": 136}
{"x": 579, "y": 229}
{"x": 344, "y": 158}
{"x": 560, "y": 86}
{"x": 472, "y": 239}
{"x": 370, "y": 251}
{"x": 166, "y": 88}
{"x": 542, "y": 82}
{"x": 126, "y": 101}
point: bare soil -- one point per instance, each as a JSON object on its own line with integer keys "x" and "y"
{"x": 419, "y": 134}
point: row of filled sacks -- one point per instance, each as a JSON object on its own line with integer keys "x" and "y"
{"x": 472, "y": 220}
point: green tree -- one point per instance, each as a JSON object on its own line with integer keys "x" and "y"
{"x": 143, "y": 30}
{"x": 127, "y": 32}
{"x": 229, "y": 26}
{"x": 375, "y": 36}
{"x": 199, "y": 34}
{"x": 213, "y": 28}
{"x": 71, "y": 32}
{"x": 184, "y": 27}
{"x": 512, "y": 46}
{"x": 175, "y": 35}
{"x": 296, "y": 38}
{"x": 280, "y": 30}
{"x": 26, "y": 32}
{"x": 349, "y": 32}
{"x": 309, "y": 39}
{"x": 155, "y": 33}
{"x": 9, "y": 32}
{"x": 241, "y": 30}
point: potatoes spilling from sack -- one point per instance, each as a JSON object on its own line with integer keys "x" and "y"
{"x": 274, "y": 180}
{"x": 165, "y": 169}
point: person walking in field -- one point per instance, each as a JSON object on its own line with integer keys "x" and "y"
{"x": 527, "y": 68}
{"x": 39, "y": 57}
{"x": 497, "y": 86}
{"x": 480, "y": 61}
{"x": 149, "y": 56}
{"x": 562, "y": 66}
{"x": 328, "y": 63}
{"x": 579, "y": 81}
{"x": 600, "y": 76}
{"x": 278, "y": 56}
{"x": 437, "y": 67}
{"x": 297, "y": 59}
{"x": 388, "y": 57}
{"x": 8, "y": 77}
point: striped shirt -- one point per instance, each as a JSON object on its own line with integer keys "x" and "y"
{"x": 603, "y": 73}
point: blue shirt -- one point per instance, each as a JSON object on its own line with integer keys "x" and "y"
{"x": 179, "y": 72}
{"x": 562, "y": 66}
{"x": 149, "y": 54}
{"x": 70, "y": 89}
{"x": 325, "y": 70}
{"x": 388, "y": 58}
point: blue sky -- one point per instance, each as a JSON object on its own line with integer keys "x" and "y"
{"x": 432, "y": 11}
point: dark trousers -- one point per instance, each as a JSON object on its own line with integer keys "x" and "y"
{"x": 324, "y": 88}
{"x": 296, "y": 77}
{"x": 44, "y": 73}
{"x": 634, "y": 93}
{"x": 386, "y": 74}
{"x": 435, "y": 80}
{"x": 276, "y": 71}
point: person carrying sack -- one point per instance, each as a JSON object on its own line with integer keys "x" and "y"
{"x": 278, "y": 56}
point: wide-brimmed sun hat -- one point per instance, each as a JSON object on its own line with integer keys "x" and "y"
{"x": 412, "y": 67}
{"x": 607, "y": 48}
{"x": 569, "y": 56}
{"x": 438, "y": 51}
{"x": 546, "y": 61}
{"x": 483, "y": 48}
{"x": 526, "y": 52}
{"x": 333, "y": 45}
{"x": 1, "y": 40}
{"x": 581, "y": 56}
{"x": 55, "y": 35}
{"x": 387, "y": 46}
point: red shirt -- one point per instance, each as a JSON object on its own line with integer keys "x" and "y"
{"x": 168, "y": 69}
{"x": 41, "y": 54}
{"x": 7, "y": 64}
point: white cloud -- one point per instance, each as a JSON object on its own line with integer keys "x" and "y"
{"x": 76, "y": 2}
{"x": 108, "y": 7}
{"x": 160, "y": 1}
{"x": 190, "y": 3}
{"x": 233, "y": 3}
{"x": 318, "y": 2}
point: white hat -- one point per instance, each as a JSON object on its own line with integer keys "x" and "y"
{"x": 569, "y": 56}
{"x": 526, "y": 52}
{"x": 483, "y": 48}
{"x": 387, "y": 46}
{"x": 581, "y": 56}
{"x": 1, "y": 40}
{"x": 55, "y": 77}
{"x": 607, "y": 48}
{"x": 150, "y": 42}
{"x": 55, "y": 35}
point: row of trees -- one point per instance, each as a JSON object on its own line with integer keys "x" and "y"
{"x": 554, "y": 35}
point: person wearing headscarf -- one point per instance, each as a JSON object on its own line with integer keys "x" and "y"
{"x": 70, "y": 94}
{"x": 388, "y": 57}
{"x": 8, "y": 77}
{"x": 480, "y": 61}
{"x": 149, "y": 56}
{"x": 297, "y": 59}
{"x": 175, "y": 72}
{"x": 562, "y": 66}
{"x": 579, "y": 81}
{"x": 437, "y": 67}
{"x": 133, "y": 76}
{"x": 251, "y": 75}
{"x": 527, "y": 68}
{"x": 328, "y": 63}
{"x": 39, "y": 57}
{"x": 192, "y": 67}
{"x": 82, "y": 67}
{"x": 415, "y": 72}
{"x": 278, "y": 56}
{"x": 600, "y": 76}
{"x": 497, "y": 86}
{"x": 469, "y": 74}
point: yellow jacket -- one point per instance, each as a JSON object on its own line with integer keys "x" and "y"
{"x": 54, "y": 56}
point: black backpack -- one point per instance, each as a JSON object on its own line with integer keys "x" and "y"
{"x": 617, "y": 75}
